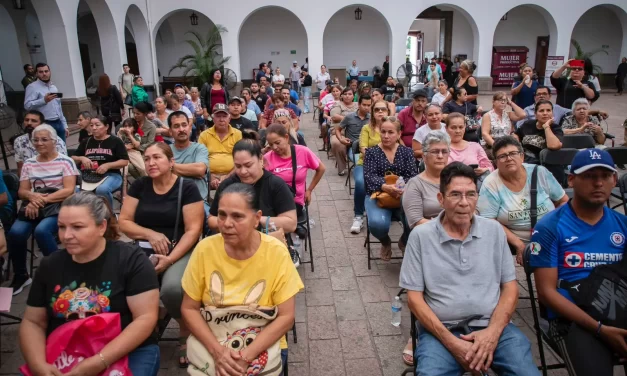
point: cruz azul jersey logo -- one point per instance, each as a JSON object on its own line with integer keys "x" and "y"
{"x": 573, "y": 259}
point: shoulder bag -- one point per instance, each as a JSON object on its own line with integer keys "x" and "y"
{"x": 384, "y": 199}
{"x": 235, "y": 327}
{"x": 49, "y": 210}
{"x": 179, "y": 209}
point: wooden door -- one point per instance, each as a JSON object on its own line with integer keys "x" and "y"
{"x": 542, "y": 51}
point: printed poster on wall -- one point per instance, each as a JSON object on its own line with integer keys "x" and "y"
{"x": 552, "y": 64}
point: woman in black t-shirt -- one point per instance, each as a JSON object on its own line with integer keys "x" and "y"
{"x": 104, "y": 154}
{"x": 149, "y": 216}
{"x": 96, "y": 273}
{"x": 272, "y": 192}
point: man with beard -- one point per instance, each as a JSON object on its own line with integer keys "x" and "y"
{"x": 566, "y": 245}
{"x": 30, "y": 75}
{"x": 44, "y": 97}
{"x": 22, "y": 145}
{"x": 257, "y": 96}
{"x": 191, "y": 159}
{"x": 412, "y": 117}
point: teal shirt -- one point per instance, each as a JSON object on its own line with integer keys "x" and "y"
{"x": 194, "y": 153}
{"x": 138, "y": 94}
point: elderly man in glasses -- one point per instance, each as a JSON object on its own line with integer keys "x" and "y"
{"x": 574, "y": 87}
{"x": 458, "y": 267}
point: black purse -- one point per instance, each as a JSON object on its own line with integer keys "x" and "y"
{"x": 47, "y": 211}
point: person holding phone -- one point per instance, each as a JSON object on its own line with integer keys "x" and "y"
{"x": 43, "y": 96}
{"x": 576, "y": 86}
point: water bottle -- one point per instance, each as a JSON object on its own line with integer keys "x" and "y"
{"x": 400, "y": 183}
{"x": 396, "y": 311}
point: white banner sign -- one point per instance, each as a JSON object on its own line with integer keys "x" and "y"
{"x": 552, "y": 64}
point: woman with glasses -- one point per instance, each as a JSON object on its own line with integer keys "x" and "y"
{"x": 377, "y": 94}
{"x": 420, "y": 200}
{"x": 469, "y": 153}
{"x": 51, "y": 170}
{"x": 497, "y": 122}
{"x": 388, "y": 157}
{"x": 370, "y": 136}
{"x": 573, "y": 87}
{"x": 505, "y": 193}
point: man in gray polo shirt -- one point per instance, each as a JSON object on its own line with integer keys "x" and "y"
{"x": 456, "y": 266}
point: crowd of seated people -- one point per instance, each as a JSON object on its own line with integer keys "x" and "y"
{"x": 252, "y": 175}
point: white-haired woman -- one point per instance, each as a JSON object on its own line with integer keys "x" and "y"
{"x": 580, "y": 122}
{"x": 54, "y": 172}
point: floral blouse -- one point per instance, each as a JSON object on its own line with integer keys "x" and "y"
{"x": 570, "y": 122}
{"x": 376, "y": 164}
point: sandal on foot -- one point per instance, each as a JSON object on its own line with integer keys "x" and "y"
{"x": 183, "y": 352}
{"x": 386, "y": 252}
{"x": 408, "y": 356}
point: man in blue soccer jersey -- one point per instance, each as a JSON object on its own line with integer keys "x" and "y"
{"x": 566, "y": 245}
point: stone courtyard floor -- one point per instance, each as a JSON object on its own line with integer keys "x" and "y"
{"x": 343, "y": 314}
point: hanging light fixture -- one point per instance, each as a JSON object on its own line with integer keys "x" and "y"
{"x": 18, "y": 4}
{"x": 358, "y": 14}
{"x": 194, "y": 19}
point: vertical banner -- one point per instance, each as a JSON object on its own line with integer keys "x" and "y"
{"x": 552, "y": 64}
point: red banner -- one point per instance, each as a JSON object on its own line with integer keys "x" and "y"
{"x": 504, "y": 77}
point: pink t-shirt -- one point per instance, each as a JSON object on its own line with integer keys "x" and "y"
{"x": 472, "y": 154}
{"x": 282, "y": 167}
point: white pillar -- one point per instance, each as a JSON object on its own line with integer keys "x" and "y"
{"x": 58, "y": 25}
{"x": 483, "y": 55}
{"x": 398, "y": 40}
{"x": 230, "y": 47}
{"x": 111, "y": 38}
{"x": 143, "y": 44}
{"x": 315, "y": 35}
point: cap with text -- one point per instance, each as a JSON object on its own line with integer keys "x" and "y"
{"x": 220, "y": 107}
{"x": 591, "y": 158}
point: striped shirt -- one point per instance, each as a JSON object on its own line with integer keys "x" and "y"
{"x": 49, "y": 173}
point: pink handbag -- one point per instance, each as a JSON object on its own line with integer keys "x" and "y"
{"x": 80, "y": 339}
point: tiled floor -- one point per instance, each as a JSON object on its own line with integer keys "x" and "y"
{"x": 343, "y": 315}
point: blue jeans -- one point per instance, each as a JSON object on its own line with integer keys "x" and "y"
{"x": 145, "y": 360}
{"x": 283, "y": 361}
{"x": 112, "y": 184}
{"x": 359, "y": 196}
{"x": 21, "y": 231}
{"x": 306, "y": 97}
{"x": 58, "y": 126}
{"x": 379, "y": 220}
{"x": 511, "y": 357}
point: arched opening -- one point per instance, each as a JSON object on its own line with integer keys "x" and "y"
{"x": 600, "y": 32}
{"x": 442, "y": 31}
{"x": 11, "y": 60}
{"x": 137, "y": 45}
{"x": 170, "y": 42}
{"x": 346, "y": 38}
{"x": 284, "y": 41}
{"x": 530, "y": 27}
{"x": 89, "y": 44}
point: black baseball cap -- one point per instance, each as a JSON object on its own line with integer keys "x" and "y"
{"x": 420, "y": 93}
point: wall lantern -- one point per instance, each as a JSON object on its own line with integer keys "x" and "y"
{"x": 194, "y": 19}
{"x": 358, "y": 14}
{"x": 18, "y": 4}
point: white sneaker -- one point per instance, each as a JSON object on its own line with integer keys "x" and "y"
{"x": 358, "y": 223}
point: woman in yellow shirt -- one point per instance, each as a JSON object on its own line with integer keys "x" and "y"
{"x": 239, "y": 266}
{"x": 370, "y": 136}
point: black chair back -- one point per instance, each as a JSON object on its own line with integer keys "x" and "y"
{"x": 562, "y": 157}
{"x": 404, "y": 102}
{"x": 619, "y": 154}
{"x": 578, "y": 141}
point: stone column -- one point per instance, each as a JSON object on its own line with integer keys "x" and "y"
{"x": 58, "y": 24}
